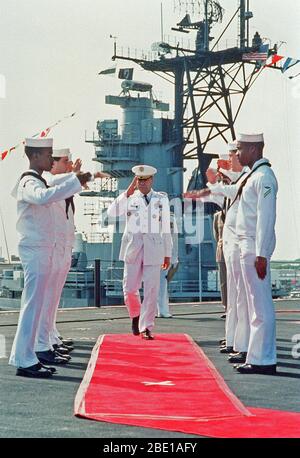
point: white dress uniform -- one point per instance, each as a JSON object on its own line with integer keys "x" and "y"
{"x": 237, "y": 328}
{"x": 62, "y": 255}
{"x": 36, "y": 231}
{"x": 218, "y": 200}
{"x": 163, "y": 296}
{"x": 145, "y": 243}
{"x": 255, "y": 228}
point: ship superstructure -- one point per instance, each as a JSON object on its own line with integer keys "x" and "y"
{"x": 143, "y": 138}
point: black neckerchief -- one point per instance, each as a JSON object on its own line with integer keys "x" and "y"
{"x": 227, "y": 201}
{"x": 240, "y": 190}
{"x": 70, "y": 201}
{"x": 36, "y": 175}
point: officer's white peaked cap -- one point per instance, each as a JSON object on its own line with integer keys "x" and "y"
{"x": 144, "y": 171}
{"x": 39, "y": 142}
{"x": 250, "y": 138}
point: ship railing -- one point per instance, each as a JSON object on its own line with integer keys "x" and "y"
{"x": 150, "y": 55}
{"x": 103, "y": 140}
{"x": 120, "y": 152}
{"x": 177, "y": 288}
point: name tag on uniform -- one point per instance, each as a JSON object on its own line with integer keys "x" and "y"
{"x": 133, "y": 206}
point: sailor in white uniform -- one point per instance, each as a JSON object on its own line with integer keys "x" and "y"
{"x": 237, "y": 327}
{"x": 205, "y": 196}
{"x": 48, "y": 336}
{"x": 36, "y": 231}
{"x": 65, "y": 233}
{"x": 146, "y": 246}
{"x": 255, "y": 228}
{"x": 63, "y": 211}
{"x": 163, "y": 310}
{"x": 237, "y": 319}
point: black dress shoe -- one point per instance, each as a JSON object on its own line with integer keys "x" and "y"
{"x": 135, "y": 326}
{"x": 147, "y": 335}
{"x": 238, "y": 357}
{"x": 62, "y": 349}
{"x": 68, "y": 342}
{"x": 269, "y": 369}
{"x": 52, "y": 369}
{"x": 226, "y": 349}
{"x": 35, "y": 371}
{"x": 49, "y": 357}
{"x": 67, "y": 357}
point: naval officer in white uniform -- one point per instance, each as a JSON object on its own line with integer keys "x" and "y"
{"x": 255, "y": 228}
{"x": 146, "y": 246}
{"x": 36, "y": 231}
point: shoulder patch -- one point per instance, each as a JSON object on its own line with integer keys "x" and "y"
{"x": 267, "y": 191}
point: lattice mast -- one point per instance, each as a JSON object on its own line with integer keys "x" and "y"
{"x": 208, "y": 83}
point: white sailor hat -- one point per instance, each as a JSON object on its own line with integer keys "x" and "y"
{"x": 250, "y": 138}
{"x": 144, "y": 171}
{"x": 224, "y": 156}
{"x": 232, "y": 146}
{"x": 39, "y": 142}
{"x": 62, "y": 152}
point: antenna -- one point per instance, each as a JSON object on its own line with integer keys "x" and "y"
{"x": 115, "y": 43}
{"x": 161, "y": 22}
{"x": 212, "y": 12}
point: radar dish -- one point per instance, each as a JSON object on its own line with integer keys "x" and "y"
{"x": 130, "y": 85}
{"x": 212, "y": 8}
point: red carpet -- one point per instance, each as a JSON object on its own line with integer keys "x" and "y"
{"x": 170, "y": 384}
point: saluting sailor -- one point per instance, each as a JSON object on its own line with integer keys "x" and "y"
{"x": 204, "y": 195}
{"x": 146, "y": 246}
{"x": 237, "y": 319}
{"x": 48, "y": 338}
{"x": 63, "y": 213}
{"x": 36, "y": 231}
{"x": 255, "y": 228}
{"x": 237, "y": 327}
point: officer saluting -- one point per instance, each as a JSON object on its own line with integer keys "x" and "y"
{"x": 146, "y": 246}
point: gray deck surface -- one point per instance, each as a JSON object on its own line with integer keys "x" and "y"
{"x": 44, "y": 408}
